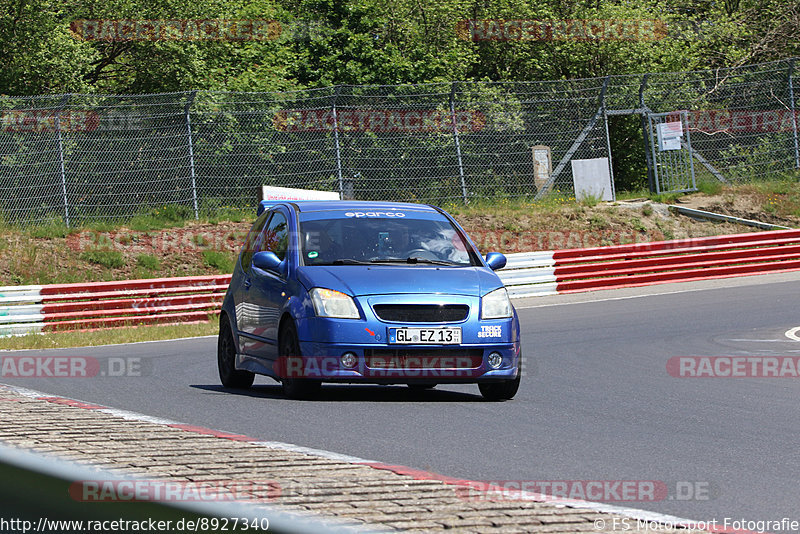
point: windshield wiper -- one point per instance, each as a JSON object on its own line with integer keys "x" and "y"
{"x": 413, "y": 260}
{"x": 349, "y": 261}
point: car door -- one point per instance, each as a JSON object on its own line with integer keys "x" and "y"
{"x": 246, "y": 315}
{"x": 265, "y": 290}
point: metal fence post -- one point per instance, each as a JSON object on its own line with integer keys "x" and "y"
{"x": 651, "y": 179}
{"x": 794, "y": 116}
{"x": 61, "y": 106}
{"x": 336, "y": 141}
{"x": 608, "y": 138}
{"x": 189, "y": 103}
{"x": 464, "y": 192}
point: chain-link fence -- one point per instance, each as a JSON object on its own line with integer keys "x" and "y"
{"x": 90, "y": 157}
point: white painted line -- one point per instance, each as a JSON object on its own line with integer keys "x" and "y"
{"x": 634, "y": 513}
{"x": 313, "y": 452}
{"x": 792, "y": 333}
{"x": 615, "y": 298}
{"x": 760, "y": 340}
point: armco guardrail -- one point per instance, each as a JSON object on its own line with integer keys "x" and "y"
{"x": 573, "y": 270}
{"x": 25, "y": 309}
{"x": 36, "y": 496}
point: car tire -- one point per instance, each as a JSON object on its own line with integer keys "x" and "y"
{"x": 289, "y": 347}
{"x": 226, "y": 360}
{"x": 420, "y": 387}
{"x": 500, "y": 391}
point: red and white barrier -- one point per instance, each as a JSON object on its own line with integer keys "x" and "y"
{"x": 26, "y": 309}
{"x": 640, "y": 264}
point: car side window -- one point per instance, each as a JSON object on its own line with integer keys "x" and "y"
{"x": 276, "y": 236}
{"x": 253, "y": 240}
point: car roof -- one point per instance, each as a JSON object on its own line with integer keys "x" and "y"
{"x": 359, "y": 205}
{"x": 339, "y": 205}
{"x": 309, "y": 206}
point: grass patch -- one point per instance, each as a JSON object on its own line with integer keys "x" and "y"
{"x": 597, "y": 221}
{"x": 111, "y": 336}
{"x": 111, "y": 259}
{"x": 52, "y": 229}
{"x": 665, "y": 198}
{"x": 589, "y": 200}
{"x": 710, "y": 187}
{"x": 637, "y": 224}
{"x": 160, "y": 218}
{"x": 221, "y": 261}
{"x": 148, "y": 261}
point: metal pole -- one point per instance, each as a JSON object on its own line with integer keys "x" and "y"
{"x": 685, "y": 118}
{"x": 458, "y": 143}
{"x": 651, "y": 181}
{"x": 189, "y": 103}
{"x": 61, "y": 106}
{"x": 336, "y": 142}
{"x": 794, "y": 117}
{"x": 648, "y": 128}
{"x": 608, "y": 138}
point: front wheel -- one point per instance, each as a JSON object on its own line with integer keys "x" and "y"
{"x": 226, "y": 360}
{"x": 500, "y": 391}
{"x": 289, "y": 348}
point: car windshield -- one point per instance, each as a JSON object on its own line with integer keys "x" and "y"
{"x": 375, "y": 240}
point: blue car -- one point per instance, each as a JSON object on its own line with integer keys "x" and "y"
{"x": 366, "y": 292}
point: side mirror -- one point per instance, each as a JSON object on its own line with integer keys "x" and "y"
{"x": 266, "y": 261}
{"x": 495, "y": 260}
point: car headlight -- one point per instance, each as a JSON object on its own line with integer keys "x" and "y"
{"x": 330, "y": 303}
{"x": 496, "y": 305}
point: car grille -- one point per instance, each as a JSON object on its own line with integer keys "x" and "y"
{"x": 421, "y": 313}
{"x": 423, "y": 358}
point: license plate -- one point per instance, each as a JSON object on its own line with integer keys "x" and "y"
{"x": 425, "y": 336}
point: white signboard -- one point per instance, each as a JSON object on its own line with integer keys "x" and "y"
{"x": 542, "y": 165}
{"x": 269, "y": 192}
{"x": 669, "y": 135}
{"x": 591, "y": 177}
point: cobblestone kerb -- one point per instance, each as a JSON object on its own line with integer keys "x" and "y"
{"x": 376, "y": 495}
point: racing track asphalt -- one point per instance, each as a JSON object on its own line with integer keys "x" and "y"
{"x": 596, "y": 401}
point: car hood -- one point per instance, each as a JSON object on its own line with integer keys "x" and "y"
{"x": 361, "y": 280}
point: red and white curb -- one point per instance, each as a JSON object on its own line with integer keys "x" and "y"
{"x": 416, "y": 474}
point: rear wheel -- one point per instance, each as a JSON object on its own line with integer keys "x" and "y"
{"x": 288, "y": 348}
{"x": 226, "y": 360}
{"x": 500, "y": 391}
